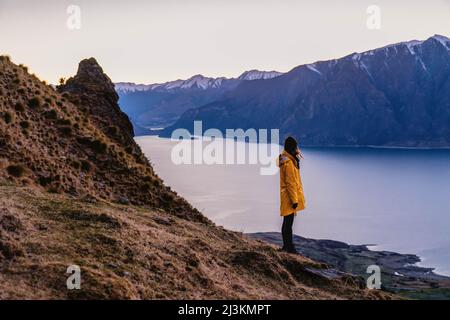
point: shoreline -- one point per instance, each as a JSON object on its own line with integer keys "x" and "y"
{"x": 320, "y": 146}
{"x": 401, "y": 273}
{"x": 419, "y": 264}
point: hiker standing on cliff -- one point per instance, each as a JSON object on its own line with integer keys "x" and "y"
{"x": 291, "y": 191}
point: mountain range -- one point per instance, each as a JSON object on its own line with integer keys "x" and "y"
{"x": 397, "y": 95}
{"x": 161, "y": 104}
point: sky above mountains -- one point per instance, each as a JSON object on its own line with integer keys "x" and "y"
{"x": 162, "y": 40}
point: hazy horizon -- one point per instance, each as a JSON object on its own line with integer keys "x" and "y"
{"x": 158, "y": 41}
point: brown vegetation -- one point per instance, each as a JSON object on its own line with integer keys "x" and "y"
{"x": 76, "y": 189}
{"x": 129, "y": 252}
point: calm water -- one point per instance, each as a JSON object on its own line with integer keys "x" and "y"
{"x": 397, "y": 199}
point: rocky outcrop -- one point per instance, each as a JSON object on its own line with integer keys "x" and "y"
{"x": 76, "y": 141}
{"x": 392, "y": 96}
{"x": 92, "y": 89}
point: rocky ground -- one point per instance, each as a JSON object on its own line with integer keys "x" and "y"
{"x": 399, "y": 272}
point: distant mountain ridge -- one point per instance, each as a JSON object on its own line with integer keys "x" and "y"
{"x": 197, "y": 82}
{"x": 397, "y": 95}
{"x": 161, "y": 104}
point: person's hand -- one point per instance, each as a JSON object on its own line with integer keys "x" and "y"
{"x": 294, "y": 206}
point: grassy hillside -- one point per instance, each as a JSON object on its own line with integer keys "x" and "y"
{"x": 130, "y": 252}
{"x": 76, "y": 189}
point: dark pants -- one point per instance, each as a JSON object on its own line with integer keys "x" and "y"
{"x": 286, "y": 231}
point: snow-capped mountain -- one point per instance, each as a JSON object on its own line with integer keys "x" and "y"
{"x": 397, "y": 95}
{"x": 363, "y": 60}
{"x": 413, "y": 48}
{"x": 131, "y": 87}
{"x": 196, "y": 82}
{"x": 257, "y": 75}
{"x": 161, "y": 104}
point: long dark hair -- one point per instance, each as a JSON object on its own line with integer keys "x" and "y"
{"x": 291, "y": 147}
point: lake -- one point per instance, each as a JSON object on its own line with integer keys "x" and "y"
{"x": 394, "y": 199}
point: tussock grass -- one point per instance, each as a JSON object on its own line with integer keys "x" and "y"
{"x": 16, "y": 170}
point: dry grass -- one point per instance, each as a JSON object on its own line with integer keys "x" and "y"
{"x": 46, "y": 131}
{"x": 129, "y": 252}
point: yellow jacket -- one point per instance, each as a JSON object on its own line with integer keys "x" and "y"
{"x": 291, "y": 189}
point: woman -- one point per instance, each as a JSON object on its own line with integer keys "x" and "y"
{"x": 291, "y": 190}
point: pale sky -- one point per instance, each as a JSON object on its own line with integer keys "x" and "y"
{"x": 160, "y": 40}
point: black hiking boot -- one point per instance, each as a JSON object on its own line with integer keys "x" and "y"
{"x": 291, "y": 250}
